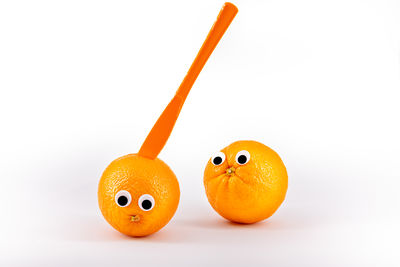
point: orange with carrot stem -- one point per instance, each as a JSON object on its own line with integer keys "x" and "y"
{"x": 158, "y": 136}
{"x": 138, "y": 193}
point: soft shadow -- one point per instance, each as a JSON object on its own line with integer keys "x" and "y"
{"x": 94, "y": 230}
{"x": 182, "y": 230}
{"x": 217, "y": 223}
{"x": 271, "y": 224}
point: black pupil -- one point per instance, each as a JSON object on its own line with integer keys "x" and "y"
{"x": 242, "y": 159}
{"x": 122, "y": 200}
{"x": 217, "y": 160}
{"x": 146, "y": 204}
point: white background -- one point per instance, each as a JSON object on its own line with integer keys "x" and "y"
{"x": 82, "y": 83}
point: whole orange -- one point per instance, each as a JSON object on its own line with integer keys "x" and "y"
{"x": 245, "y": 182}
{"x": 138, "y": 196}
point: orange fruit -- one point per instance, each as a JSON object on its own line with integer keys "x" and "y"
{"x": 245, "y": 182}
{"x": 138, "y": 196}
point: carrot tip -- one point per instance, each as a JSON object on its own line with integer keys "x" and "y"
{"x": 232, "y": 6}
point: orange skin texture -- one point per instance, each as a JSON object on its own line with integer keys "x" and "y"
{"x": 254, "y": 191}
{"x": 138, "y": 175}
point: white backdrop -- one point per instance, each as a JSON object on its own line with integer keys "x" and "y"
{"x": 82, "y": 83}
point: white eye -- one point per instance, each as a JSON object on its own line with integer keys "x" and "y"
{"x": 242, "y": 157}
{"x": 146, "y": 202}
{"x": 123, "y": 198}
{"x": 218, "y": 158}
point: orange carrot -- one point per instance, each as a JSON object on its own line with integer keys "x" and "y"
{"x": 161, "y": 131}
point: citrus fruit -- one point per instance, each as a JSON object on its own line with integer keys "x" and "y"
{"x": 138, "y": 196}
{"x": 245, "y": 182}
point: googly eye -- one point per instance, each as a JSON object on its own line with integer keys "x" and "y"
{"x": 242, "y": 157}
{"x": 123, "y": 198}
{"x": 218, "y": 158}
{"x": 146, "y": 202}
